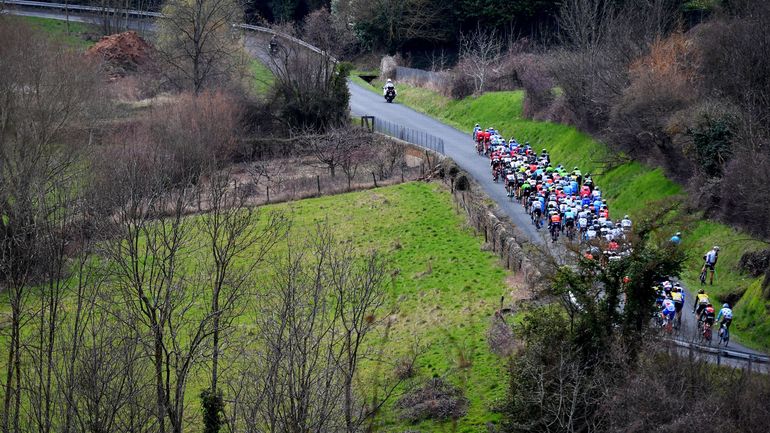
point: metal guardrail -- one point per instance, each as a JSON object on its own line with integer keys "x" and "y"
{"x": 145, "y": 14}
{"x": 413, "y": 136}
{"x": 723, "y": 352}
{"x": 82, "y": 8}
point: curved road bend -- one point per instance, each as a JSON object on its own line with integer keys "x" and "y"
{"x": 457, "y": 145}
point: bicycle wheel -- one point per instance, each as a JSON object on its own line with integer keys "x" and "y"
{"x": 725, "y": 336}
{"x": 703, "y": 276}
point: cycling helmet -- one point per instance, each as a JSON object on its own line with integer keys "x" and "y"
{"x": 701, "y": 291}
{"x": 709, "y": 305}
{"x": 389, "y": 80}
{"x": 678, "y": 234}
{"x": 575, "y": 168}
{"x": 477, "y": 125}
{"x": 725, "y": 305}
{"x": 626, "y": 217}
{"x": 716, "y": 248}
{"x": 545, "y": 151}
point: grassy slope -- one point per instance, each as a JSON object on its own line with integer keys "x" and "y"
{"x": 57, "y": 29}
{"x": 446, "y": 309}
{"x": 631, "y": 188}
{"x": 263, "y": 78}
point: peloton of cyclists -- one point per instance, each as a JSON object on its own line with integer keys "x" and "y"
{"x": 566, "y": 199}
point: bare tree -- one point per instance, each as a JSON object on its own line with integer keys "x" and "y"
{"x": 328, "y": 32}
{"x": 479, "y": 55}
{"x": 238, "y": 244}
{"x": 314, "y": 321}
{"x": 339, "y": 148}
{"x": 300, "y": 386}
{"x": 44, "y": 91}
{"x": 312, "y": 86}
{"x": 388, "y": 155}
{"x": 358, "y": 287}
{"x": 398, "y": 21}
{"x": 196, "y": 43}
{"x": 149, "y": 256}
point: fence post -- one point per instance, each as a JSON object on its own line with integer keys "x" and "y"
{"x": 268, "y": 194}
{"x": 318, "y": 183}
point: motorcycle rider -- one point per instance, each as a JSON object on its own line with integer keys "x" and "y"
{"x": 389, "y": 85}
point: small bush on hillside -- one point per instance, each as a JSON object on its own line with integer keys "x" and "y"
{"x": 436, "y": 400}
{"x": 462, "y": 183}
{"x": 500, "y": 338}
{"x": 755, "y": 262}
{"x": 405, "y": 368}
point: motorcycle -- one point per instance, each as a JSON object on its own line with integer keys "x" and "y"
{"x": 390, "y": 95}
{"x": 273, "y": 48}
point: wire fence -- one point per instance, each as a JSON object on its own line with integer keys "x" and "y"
{"x": 413, "y": 136}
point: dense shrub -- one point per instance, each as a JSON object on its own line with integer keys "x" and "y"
{"x": 755, "y": 262}
{"x": 534, "y": 78}
{"x": 460, "y": 86}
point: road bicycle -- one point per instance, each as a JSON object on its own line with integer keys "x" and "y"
{"x": 724, "y": 334}
{"x": 705, "y": 332}
{"x": 555, "y": 230}
{"x": 571, "y": 232}
{"x": 703, "y": 273}
{"x": 678, "y": 320}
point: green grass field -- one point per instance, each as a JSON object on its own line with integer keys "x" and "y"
{"x": 444, "y": 292}
{"x": 263, "y": 78}
{"x": 631, "y": 188}
{"x": 77, "y": 36}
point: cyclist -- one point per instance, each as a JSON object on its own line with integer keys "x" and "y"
{"x": 668, "y": 310}
{"x": 710, "y": 262}
{"x": 626, "y": 223}
{"x": 660, "y": 296}
{"x": 536, "y": 213}
{"x": 510, "y": 182}
{"x": 701, "y": 301}
{"x": 677, "y": 297}
{"x": 555, "y": 225}
{"x": 725, "y": 316}
{"x": 569, "y": 221}
{"x": 707, "y": 315}
{"x": 676, "y": 239}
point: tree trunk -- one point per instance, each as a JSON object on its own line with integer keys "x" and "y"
{"x": 161, "y": 400}
{"x": 9, "y": 392}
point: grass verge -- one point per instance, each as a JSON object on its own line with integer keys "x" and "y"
{"x": 631, "y": 188}
{"x": 78, "y": 35}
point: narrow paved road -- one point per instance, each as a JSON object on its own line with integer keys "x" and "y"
{"x": 457, "y": 145}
